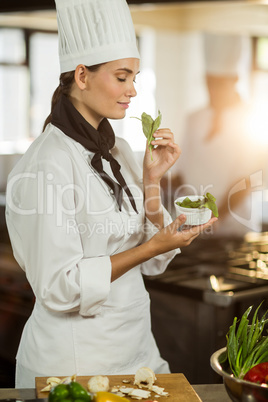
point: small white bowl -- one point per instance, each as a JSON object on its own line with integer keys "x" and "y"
{"x": 194, "y": 216}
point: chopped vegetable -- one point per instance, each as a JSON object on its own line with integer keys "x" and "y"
{"x": 149, "y": 126}
{"x": 139, "y": 394}
{"x": 144, "y": 377}
{"x": 208, "y": 201}
{"x": 108, "y": 397}
{"x": 71, "y": 392}
{"x": 258, "y": 374}
{"x": 159, "y": 390}
{"x": 98, "y": 383}
{"x": 246, "y": 344}
{"x": 53, "y": 381}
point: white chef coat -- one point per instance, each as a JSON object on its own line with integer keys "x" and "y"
{"x": 218, "y": 164}
{"x": 64, "y": 225}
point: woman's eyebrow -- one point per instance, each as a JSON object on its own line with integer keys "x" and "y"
{"x": 127, "y": 70}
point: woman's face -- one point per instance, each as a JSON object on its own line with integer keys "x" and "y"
{"x": 109, "y": 90}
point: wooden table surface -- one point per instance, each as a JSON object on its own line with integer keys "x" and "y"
{"x": 176, "y": 385}
{"x": 206, "y": 392}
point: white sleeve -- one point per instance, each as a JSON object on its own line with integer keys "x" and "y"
{"x": 158, "y": 264}
{"x": 53, "y": 259}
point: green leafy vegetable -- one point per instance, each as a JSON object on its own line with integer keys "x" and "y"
{"x": 246, "y": 345}
{"x": 207, "y": 202}
{"x": 149, "y": 126}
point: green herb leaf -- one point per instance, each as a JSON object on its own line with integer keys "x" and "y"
{"x": 207, "y": 202}
{"x": 147, "y": 124}
{"x": 211, "y": 204}
{"x": 187, "y": 203}
{"x": 157, "y": 122}
{"x": 149, "y": 127}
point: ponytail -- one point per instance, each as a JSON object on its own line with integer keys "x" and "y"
{"x": 66, "y": 81}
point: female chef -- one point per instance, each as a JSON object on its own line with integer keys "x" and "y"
{"x": 84, "y": 221}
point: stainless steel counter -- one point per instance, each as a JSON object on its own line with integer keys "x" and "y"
{"x": 207, "y": 393}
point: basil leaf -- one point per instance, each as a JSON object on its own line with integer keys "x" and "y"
{"x": 187, "y": 203}
{"x": 149, "y": 126}
{"x": 210, "y": 197}
{"x": 157, "y": 122}
{"x": 147, "y": 123}
{"x": 207, "y": 202}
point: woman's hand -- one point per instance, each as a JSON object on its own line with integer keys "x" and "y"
{"x": 170, "y": 237}
{"x": 164, "y": 156}
{"x": 167, "y": 239}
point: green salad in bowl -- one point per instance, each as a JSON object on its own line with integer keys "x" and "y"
{"x": 197, "y": 208}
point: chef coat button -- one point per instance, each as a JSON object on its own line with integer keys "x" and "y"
{"x": 112, "y": 191}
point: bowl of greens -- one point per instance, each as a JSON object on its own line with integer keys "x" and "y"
{"x": 196, "y": 208}
{"x": 243, "y": 363}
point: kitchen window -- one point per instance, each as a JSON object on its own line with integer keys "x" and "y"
{"x": 29, "y": 73}
{"x": 13, "y": 82}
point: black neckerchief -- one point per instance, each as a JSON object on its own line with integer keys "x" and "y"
{"x": 67, "y": 118}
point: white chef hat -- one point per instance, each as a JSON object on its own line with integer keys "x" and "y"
{"x": 93, "y": 32}
{"x": 226, "y": 54}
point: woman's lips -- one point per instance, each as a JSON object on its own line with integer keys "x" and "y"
{"x": 124, "y": 105}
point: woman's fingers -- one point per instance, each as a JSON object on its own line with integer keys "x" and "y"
{"x": 163, "y": 137}
{"x": 191, "y": 232}
{"x": 163, "y": 132}
{"x": 174, "y": 236}
{"x": 177, "y": 223}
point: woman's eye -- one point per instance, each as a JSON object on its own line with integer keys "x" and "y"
{"x": 121, "y": 79}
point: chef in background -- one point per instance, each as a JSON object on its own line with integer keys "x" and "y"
{"x": 218, "y": 155}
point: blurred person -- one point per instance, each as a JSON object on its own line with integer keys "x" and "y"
{"x": 218, "y": 155}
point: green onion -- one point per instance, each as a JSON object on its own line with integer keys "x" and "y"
{"x": 246, "y": 344}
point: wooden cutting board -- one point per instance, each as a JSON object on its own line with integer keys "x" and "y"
{"x": 176, "y": 385}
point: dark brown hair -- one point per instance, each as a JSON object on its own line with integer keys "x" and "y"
{"x": 64, "y": 88}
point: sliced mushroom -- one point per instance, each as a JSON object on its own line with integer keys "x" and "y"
{"x": 159, "y": 390}
{"x": 144, "y": 377}
{"x": 98, "y": 383}
{"x": 139, "y": 394}
{"x": 47, "y": 388}
{"x": 53, "y": 380}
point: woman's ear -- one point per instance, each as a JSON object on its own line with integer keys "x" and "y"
{"x": 80, "y": 76}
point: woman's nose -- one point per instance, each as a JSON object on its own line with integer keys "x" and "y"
{"x": 132, "y": 91}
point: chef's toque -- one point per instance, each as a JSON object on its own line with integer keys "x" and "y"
{"x": 226, "y": 55}
{"x": 93, "y": 32}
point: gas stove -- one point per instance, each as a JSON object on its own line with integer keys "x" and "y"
{"x": 217, "y": 271}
